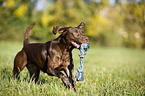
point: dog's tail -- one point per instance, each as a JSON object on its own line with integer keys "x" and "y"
{"x": 26, "y": 38}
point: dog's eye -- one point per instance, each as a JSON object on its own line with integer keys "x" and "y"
{"x": 82, "y": 32}
{"x": 76, "y": 34}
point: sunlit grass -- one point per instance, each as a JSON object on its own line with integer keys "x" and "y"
{"x": 108, "y": 71}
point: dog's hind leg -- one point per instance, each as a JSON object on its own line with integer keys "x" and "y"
{"x": 34, "y": 72}
{"x": 19, "y": 63}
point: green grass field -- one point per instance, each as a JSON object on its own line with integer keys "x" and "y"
{"x": 108, "y": 71}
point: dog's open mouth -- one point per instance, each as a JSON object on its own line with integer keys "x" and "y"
{"x": 75, "y": 44}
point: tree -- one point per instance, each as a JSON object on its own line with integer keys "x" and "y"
{"x": 134, "y": 24}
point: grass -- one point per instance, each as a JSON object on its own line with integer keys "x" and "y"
{"x": 108, "y": 71}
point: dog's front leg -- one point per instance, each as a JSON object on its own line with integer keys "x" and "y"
{"x": 71, "y": 77}
{"x": 64, "y": 79}
{"x": 69, "y": 73}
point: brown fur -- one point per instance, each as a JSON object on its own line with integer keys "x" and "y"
{"x": 51, "y": 57}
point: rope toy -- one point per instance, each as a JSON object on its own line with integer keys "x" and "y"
{"x": 84, "y": 48}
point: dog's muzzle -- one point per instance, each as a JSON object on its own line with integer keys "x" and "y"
{"x": 78, "y": 45}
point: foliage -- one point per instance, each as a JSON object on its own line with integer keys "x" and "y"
{"x": 111, "y": 72}
{"x": 134, "y": 23}
{"x": 116, "y": 26}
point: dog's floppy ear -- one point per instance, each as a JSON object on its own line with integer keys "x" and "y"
{"x": 82, "y": 25}
{"x": 58, "y": 28}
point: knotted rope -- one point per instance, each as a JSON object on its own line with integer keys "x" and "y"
{"x": 83, "y": 49}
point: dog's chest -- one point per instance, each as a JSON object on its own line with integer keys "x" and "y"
{"x": 60, "y": 59}
{"x": 64, "y": 58}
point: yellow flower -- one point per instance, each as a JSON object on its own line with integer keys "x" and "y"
{"x": 20, "y": 12}
{"x": 10, "y": 3}
{"x": 45, "y": 19}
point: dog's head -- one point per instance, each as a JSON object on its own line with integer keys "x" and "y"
{"x": 74, "y": 35}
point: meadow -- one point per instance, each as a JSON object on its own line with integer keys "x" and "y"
{"x": 107, "y": 71}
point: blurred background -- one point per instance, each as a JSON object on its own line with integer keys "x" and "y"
{"x": 113, "y": 23}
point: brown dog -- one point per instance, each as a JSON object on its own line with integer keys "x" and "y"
{"x": 53, "y": 56}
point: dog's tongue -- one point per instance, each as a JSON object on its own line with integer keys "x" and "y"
{"x": 76, "y": 45}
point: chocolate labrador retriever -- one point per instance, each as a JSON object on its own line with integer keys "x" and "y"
{"x": 53, "y": 56}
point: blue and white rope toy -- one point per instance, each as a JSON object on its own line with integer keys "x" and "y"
{"x": 84, "y": 48}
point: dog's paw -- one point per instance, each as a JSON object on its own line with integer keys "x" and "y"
{"x": 67, "y": 82}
